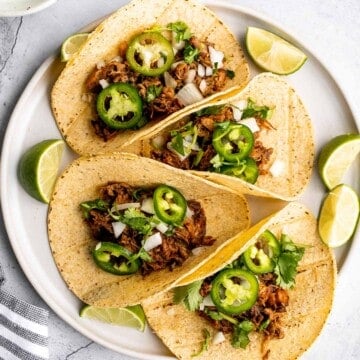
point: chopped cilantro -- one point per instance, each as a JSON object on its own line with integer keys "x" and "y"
{"x": 190, "y": 53}
{"x": 253, "y": 110}
{"x": 189, "y": 295}
{"x": 264, "y": 325}
{"x": 205, "y": 344}
{"x": 210, "y": 110}
{"x": 287, "y": 262}
{"x": 97, "y": 204}
{"x": 152, "y": 93}
{"x": 181, "y": 30}
{"x": 177, "y": 143}
{"x": 240, "y": 338}
{"x": 216, "y": 315}
{"x": 230, "y": 74}
{"x": 138, "y": 221}
{"x": 141, "y": 254}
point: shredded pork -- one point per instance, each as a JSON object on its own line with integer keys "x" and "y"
{"x": 175, "y": 247}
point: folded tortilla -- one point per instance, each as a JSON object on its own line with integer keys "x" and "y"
{"x": 73, "y": 115}
{"x": 71, "y": 241}
{"x": 291, "y": 139}
{"x": 309, "y": 304}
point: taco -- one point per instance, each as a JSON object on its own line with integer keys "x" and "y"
{"x": 258, "y": 142}
{"x": 269, "y": 296}
{"x": 122, "y": 227}
{"x": 143, "y": 64}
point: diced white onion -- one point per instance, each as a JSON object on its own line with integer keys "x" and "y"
{"x": 277, "y": 168}
{"x": 237, "y": 113}
{"x": 175, "y": 64}
{"x": 181, "y": 157}
{"x": 190, "y": 146}
{"x": 216, "y": 57}
{"x": 197, "y": 251}
{"x": 153, "y": 241}
{"x": 148, "y": 206}
{"x": 117, "y": 58}
{"x": 104, "y": 83}
{"x": 178, "y": 45}
{"x": 160, "y": 62}
{"x": 190, "y": 76}
{"x": 207, "y": 301}
{"x": 208, "y": 71}
{"x": 118, "y": 228}
{"x": 169, "y": 80}
{"x": 218, "y": 338}
{"x": 202, "y": 85}
{"x": 100, "y": 64}
{"x": 251, "y": 124}
{"x": 158, "y": 142}
{"x": 201, "y": 70}
{"x": 162, "y": 227}
{"x": 189, "y": 212}
{"x": 189, "y": 94}
{"x": 127, "y": 205}
{"x": 240, "y": 104}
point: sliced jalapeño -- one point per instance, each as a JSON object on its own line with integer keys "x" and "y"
{"x": 260, "y": 257}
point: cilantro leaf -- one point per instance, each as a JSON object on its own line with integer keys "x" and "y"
{"x": 141, "y": 254}
{"x": 97, "y": 204}
{"x": 137, "y": 220}
{"x": 181, "y": 30}
{"x": 152, "y": 92}
{"x": 177, "y": 143}
{"x": 190, "y": 53}
{"x": 216, "y": 315}
{"x": 240, "y": 338}
{"x": 189, "y": 295}
{"x": 230, "y": 74}
{"x": 253, "y": 110}
{"x": 210, "y": 110}
{"x": 205, "y": 344}
{"x": 287, "y": 262}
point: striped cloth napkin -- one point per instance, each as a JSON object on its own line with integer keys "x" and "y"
{"x": 23, "y": 328}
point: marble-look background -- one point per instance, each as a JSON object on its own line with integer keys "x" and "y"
{"x": 331, "y": 28}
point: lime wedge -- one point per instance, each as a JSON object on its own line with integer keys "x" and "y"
{"x": 131, "y": 316}
{"x": 72, "y": 45}
{"x": 38, "y": 168}
{"x": 272, "y": 53}
{"x": 338, "y": 216}
{"x": 336, "y": 157}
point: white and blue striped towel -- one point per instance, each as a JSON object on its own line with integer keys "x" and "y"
{"x": 23, "y": 329}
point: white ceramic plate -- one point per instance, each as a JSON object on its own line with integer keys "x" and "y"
{"x": 25, "y": 218}
{"x": 23, "y": 7}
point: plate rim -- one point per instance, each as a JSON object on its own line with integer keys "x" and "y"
{"x": 26, "y": 268}
{"x": 27, "y": 11}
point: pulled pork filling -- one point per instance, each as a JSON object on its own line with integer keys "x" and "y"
{"x": 192, "y": 64}
{"x": 176, "y": 241}
{"x": 201, "y": 154}
{"x": 265, "y": 314}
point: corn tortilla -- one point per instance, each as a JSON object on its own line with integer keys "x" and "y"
{"x": 309, "y": 305}
{"x": 292, "y": 139}
{"x": 71, "y": 241}
{"x": 73, "y": 115}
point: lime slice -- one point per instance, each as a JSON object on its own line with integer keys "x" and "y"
{"x": 131, "y": 316}
{"x": 72, "y": 45}
{"x": 272, "y": 53}
{"x": 336, "y": 157}
{"x": 39, "y": 167}
{"x": 338, "y": 216}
